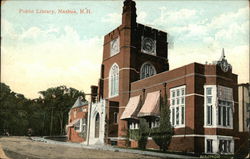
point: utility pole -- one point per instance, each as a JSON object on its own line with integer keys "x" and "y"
{"x": 51, "y": 122}
{"x": 88, "y": 130}
{"x": 51, "y": 119}
{"x": 42, "y": 133}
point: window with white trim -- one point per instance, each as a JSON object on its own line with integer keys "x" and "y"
{"x": 133, "y": 125}
{"x": 209, "y": 145}
{"x": 77, "y": 125}
{"x": 84, "y": 109}
{"x": 114, "y": 80}
{"x": 224, "y": 113}
{"x": 225, "y": 146}
{"x": 147, "y": 70}
{"x": 84, "y": 125}
{"x": 79, "y": 110}
{"x": 218, "y": 106}
{"x": 225, "y": 107}
{"x": 177, "y": 106}
{"x": 154, "y": 123}
{"x": 215, "y": 144}
{"x": 209, "y": 104}
{"x": 115, "y": 46}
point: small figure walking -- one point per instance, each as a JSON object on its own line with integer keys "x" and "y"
{"x": 5, "y": 132}
{"x": 29, "y": 132}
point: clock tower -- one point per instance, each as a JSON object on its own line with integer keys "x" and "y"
{"x": 131, "y": 52}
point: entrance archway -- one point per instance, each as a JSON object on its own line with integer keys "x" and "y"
{"x": 97, "y": 125}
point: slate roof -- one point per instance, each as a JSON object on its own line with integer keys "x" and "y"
{"x": 79, "y": 102}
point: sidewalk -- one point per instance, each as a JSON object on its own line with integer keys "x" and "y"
{"x": 111, "y": 148}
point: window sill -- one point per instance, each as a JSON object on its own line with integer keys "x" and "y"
{"x": 112, "y": 55}
{"x": 224, "y": 127}
{"x": 113, "y": 96}
{"x": 179, "y": 126}
{"x": 209, "y": 126}
{"x": 149, "y": 53}
{"x": 210, "y": 153}
{"x": 226, "y": 153}
{"x": 217, "y": 126}
{"x": 78, "y": 131}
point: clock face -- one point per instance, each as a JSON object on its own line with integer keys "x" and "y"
{"x": 114, "y": 46}
{"x": 148, "y": 46}
{"x": 224, "y": 65}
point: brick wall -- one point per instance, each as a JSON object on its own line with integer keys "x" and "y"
{"x": 74, "y": 136}
{"x": 76, "y": 113}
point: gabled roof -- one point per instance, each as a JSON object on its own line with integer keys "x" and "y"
{"x": 79, "y": 103}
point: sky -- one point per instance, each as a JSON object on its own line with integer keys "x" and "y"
{"x": 43, "y": 50}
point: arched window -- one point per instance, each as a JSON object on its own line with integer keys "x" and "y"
{"x": 97, "y": 125}
{"x": 147, "y": 70}
{"x": 114, "y": 80}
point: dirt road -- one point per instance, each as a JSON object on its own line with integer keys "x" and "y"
{"x": 24, "y": 148}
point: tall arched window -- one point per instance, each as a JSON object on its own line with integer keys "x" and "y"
{"x": 114, "y": 80}
{"x": 147, "y": 70}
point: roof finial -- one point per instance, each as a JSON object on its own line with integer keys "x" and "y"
{"x": 224, "y": 65}
{"x": 222, "y": 54}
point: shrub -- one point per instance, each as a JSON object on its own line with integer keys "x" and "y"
{"x": 162, "y": 135}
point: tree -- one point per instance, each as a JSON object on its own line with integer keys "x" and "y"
{"x": 143, "y": 133}
{"x": 13, "y": 117}
{"x": 162, "y": 135}
{"x": 18, "y": 114}
{"x": 58, "y": 101}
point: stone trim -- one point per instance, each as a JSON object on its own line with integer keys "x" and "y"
{"x": 199, "y": 135}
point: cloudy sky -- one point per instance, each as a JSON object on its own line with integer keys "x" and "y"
{"x": 42, "y": 50}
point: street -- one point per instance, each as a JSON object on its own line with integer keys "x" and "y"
{"x": 24, "y": 148}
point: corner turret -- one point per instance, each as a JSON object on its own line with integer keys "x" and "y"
{"x": 129, "y": 13}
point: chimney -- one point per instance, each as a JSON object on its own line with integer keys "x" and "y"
{"x": 94, "y": 90}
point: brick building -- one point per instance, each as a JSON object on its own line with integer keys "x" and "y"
{"x": 135, "y": 74}
{"x": 244, "y": 112}
{"x": 77, "y": 121}
{"x": 244, "y": 107}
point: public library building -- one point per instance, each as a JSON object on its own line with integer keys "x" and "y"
{"x": 203, "y": 98}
